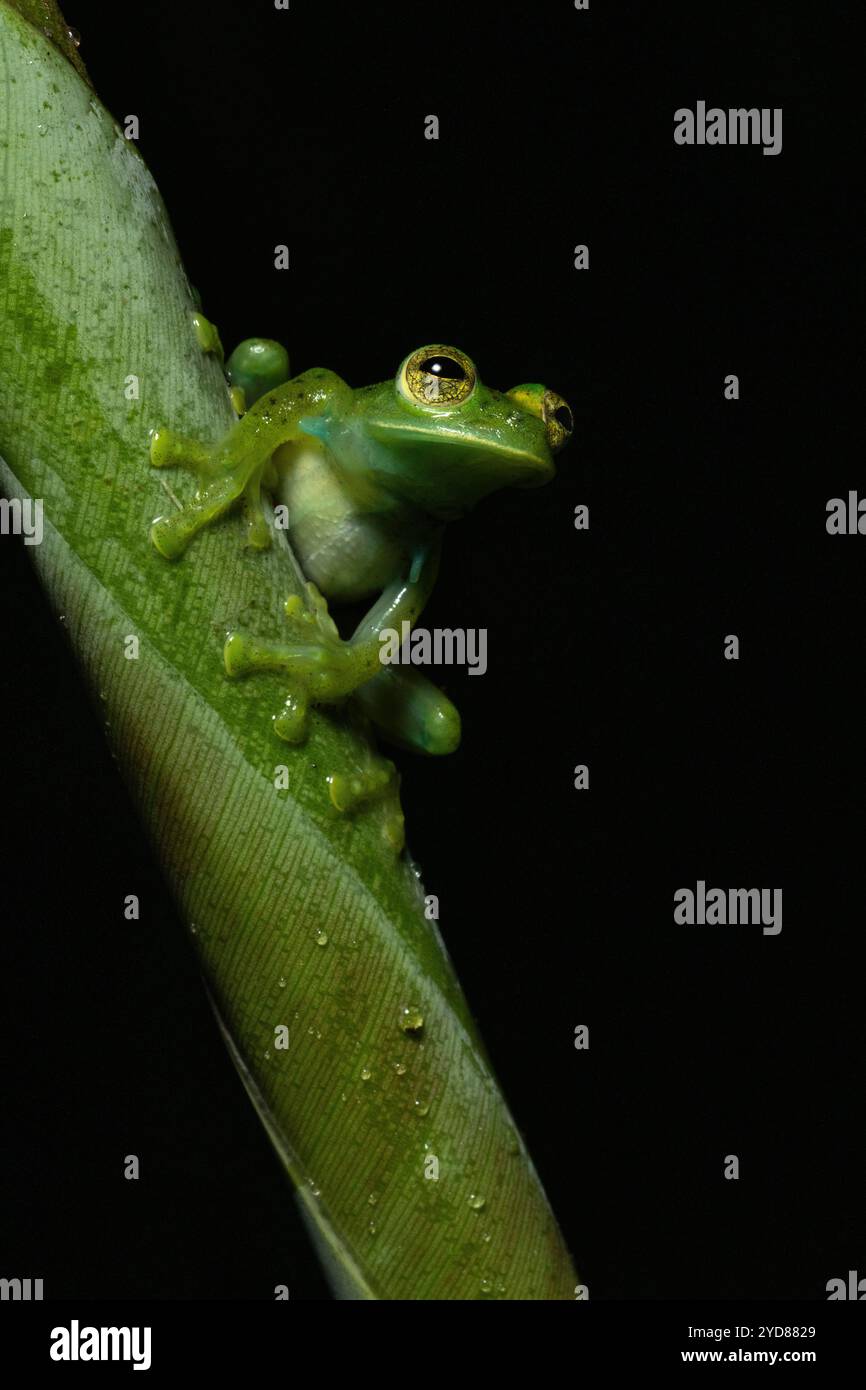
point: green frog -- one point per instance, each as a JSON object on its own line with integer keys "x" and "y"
{"x": 369, "y": 477}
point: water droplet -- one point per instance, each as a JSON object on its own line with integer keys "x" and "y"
{"x": 421, "y": 1107}
{"x": 486, "y": 1237}
{"x": 74, "y": 35}
{"x": 400, "y": 1069}
{"x": 372, "y": 1228}
{"x": 411, "y": 1019}
{"x": 372, "y": 1199}
{"x": 366, "y": 1074}
{"x": 322, "y": 938}
{"x": 500, "y": 1287}
{"x": 267, "y": 1056}
{"x": 486, "y": 1286}
{"x": 193, "y": 928}
{"x": 282, "y": 982}
{"x": 476, "y": 1201}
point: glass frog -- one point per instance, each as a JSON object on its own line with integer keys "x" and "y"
{"x": 369, "y": 476}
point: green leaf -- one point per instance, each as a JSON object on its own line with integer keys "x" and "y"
{"x": 301, "y": 917}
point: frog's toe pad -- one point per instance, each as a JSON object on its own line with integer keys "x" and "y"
{"x": 170, "y": 539}
{"x": 171, "y": 450}
{"x": 347, "y": 792}
{"x": 395, "y": 829}
{"x": 292, "y": 722}
{"x": 238, "y": 658}
{"x": 161, "y": 449}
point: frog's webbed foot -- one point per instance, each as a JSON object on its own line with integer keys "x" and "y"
{"x": 226, "y": 472}
{"x": 376, "y": 779}
{"x": 370, "y": 779}
{"x": 320, "y": 666}
{"x": 321, "y": 669}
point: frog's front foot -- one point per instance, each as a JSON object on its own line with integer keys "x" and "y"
{"x": 226, "y": 473}
{"x": 321, "y": 667}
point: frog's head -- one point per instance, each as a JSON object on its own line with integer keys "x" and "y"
{"x": 437, "y": 439}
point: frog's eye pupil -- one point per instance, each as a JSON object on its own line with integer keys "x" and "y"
{"x": 563, "y": 416}
{"x": 444, "y": 368}
{"x": 437, "y": 376}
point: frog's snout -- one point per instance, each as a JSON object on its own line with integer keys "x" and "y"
{"x": 558, "y": 420}
{"x": 549, "y": 407}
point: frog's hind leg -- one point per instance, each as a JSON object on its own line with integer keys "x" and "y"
{"x": 409, "y": 710}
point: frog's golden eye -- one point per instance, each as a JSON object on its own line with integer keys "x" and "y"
{"x": 437, "y": 375}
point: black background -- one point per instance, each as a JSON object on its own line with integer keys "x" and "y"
{"x": 707, "y": 518}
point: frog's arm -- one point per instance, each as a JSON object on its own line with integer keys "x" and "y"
{"x": 321, "y": 667}
{"x": 234, "y": 469}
